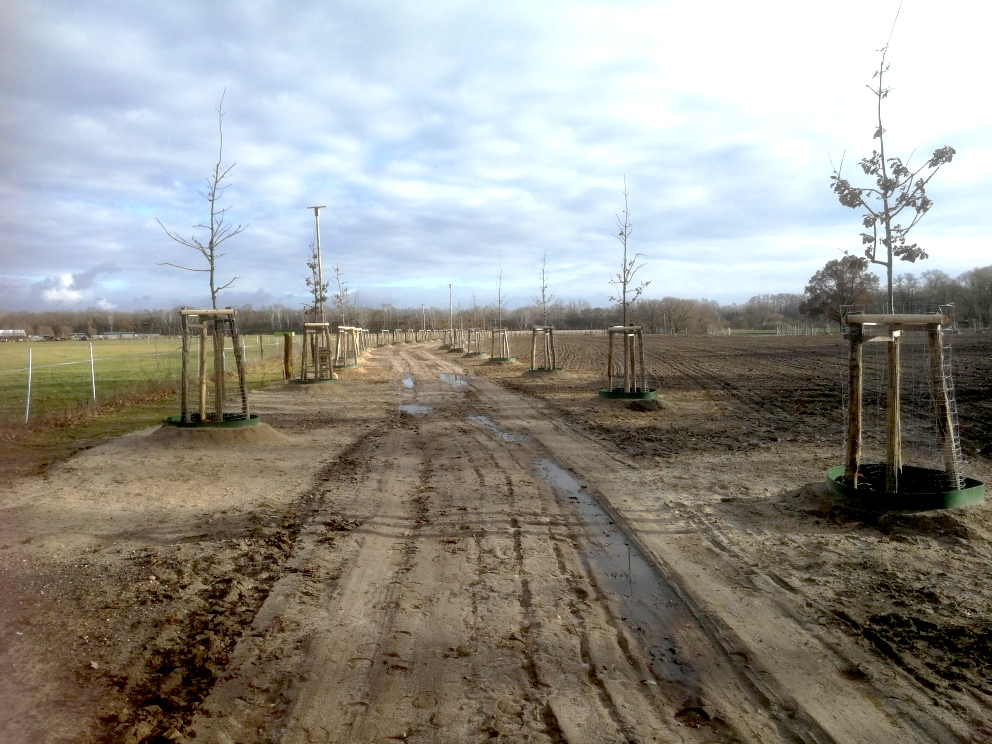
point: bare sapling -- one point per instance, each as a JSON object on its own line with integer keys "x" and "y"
{"x": 545, "y": 299}
{"x": 219, "y": 230}
{"x": 626, "y": 293}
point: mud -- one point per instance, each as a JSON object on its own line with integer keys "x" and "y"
{"x": 442, "y": 550}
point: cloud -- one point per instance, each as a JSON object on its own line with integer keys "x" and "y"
{"x": 448, "y": 140}
{"x": 74, "y": 290}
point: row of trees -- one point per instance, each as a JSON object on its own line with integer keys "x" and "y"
{"x": 845, "y": 281}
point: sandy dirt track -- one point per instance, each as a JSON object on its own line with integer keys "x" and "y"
{"x": 419, "y": 552}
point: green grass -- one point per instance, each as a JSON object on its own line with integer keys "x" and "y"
{"x": 61, "y": 381}
{"x": 136, "y": 388}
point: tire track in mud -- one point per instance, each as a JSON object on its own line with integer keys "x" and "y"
{"x": 188, "y": 658}
{"x": 769, "y": 686}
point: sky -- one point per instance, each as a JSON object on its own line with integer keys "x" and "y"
{"x": 460, "y": 142}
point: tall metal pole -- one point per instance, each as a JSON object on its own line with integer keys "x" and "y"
{"x": 320, "y": 271}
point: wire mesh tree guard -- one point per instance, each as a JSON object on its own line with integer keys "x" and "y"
{"x": 217, "y": 325}
{"x": 316, "y": 364}
{"x": 625, "y": 374}
{"x": 543, "y": 339}
{"x": 915, "y": 409}
{"x": 347, "y": 346}
{"x": 475, "y": 342}
{"x": 499, "y": 347}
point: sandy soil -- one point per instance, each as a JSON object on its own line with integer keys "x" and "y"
{"x": 435, "y": 549}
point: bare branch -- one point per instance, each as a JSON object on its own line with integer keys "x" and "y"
{"x": 218, "y": 230}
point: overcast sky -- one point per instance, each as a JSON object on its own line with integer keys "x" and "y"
{"x": 451, "y": 141}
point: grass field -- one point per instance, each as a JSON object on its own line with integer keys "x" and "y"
{"x": 61, "y": 374}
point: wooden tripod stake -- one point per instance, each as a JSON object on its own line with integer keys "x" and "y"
{"x": 858, "y": 335}
{"x": 219, "y": 323}
{"x": 316, "y": 351}
{"x": 546, "y": 336}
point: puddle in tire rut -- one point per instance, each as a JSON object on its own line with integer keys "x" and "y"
{"x": 453, "y": 379}
{"x": 415, "y": 409}
{"x": 496, "y": 429}
{"x": 408, "y": 382}
{"x": 648, "y": 607}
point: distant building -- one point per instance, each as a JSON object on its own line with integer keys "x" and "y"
{"x": 13, "y": 335}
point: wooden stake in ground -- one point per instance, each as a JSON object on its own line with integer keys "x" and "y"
{"x": 217, "y": 324}
{"x": 940, "y": 383}
{"x": 940, "y": 379}
{"x": 852, "y": 467}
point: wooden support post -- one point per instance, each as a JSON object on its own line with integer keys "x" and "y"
{"x": 628, "y": 363}
{"x": 640, "y": 356}
{"x": 287, "y": 356}
{"x": 609, "y": 362}
{"x": 893, "y": 458}
{"x": 218, "y": 372}
{"x": 946, "y": 423}
{"x": 184, "y": 380}
{"x": 533, "y": 349}
{"x": 202, "y": 372}
{"x": 239, "y": 360}
{"x": 852, "y": 466}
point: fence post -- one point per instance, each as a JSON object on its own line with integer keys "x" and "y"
{"x": 92, "y": 372}
{"x": 27, "y": 411}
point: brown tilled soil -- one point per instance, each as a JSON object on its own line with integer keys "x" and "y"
{"x": 442, "y": 550}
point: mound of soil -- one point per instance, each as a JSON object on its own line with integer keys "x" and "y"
{"x": 171, "y": 436}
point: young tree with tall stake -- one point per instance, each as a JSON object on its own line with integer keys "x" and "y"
{"x": 545, "y": 299}
{"x": 627, "y": 294}
{"x": 897, "y": 190}
{"x": 219, "y": 230}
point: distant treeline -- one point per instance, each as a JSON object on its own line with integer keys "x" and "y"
{"x": 970, "y": 294}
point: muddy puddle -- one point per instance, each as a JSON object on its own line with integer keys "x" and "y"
{"x": 415, "y": 409}
{"x": 408, "y": 382}
{"x": 453, "y": 379}
{"x": 498, "y": 431}
{"x": 648, "y": 607}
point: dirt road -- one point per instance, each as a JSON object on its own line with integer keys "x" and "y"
{"x": 416, "y": 554}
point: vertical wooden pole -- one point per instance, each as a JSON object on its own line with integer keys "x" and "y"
{"x": 184, "y": 375}
{"x": 533, "y": 350}
{"x": 202, "y": 372}
{"x": 239, "y": 362}
{"x": 640, "y": 357}
{"x": 609, "y": 361}
{"x": 287, "y": 356}
{"x": 628, "y": 361}
{"x": 893, "y": 459}
{"x": 304, "y": 354}
{"x": 852, "y": 466}
{"x": 946, "y": 425}
{"x": 218, "y": 370}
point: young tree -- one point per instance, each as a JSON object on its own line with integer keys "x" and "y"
{"x": 545, "y": 299}
{"x": 218, "y": 229}
{"x": 897, "y": 189}
{"x": 313, "y": 283}
{"x": 500, "y": 299}
{"x": 341, "y": 299}
{"x": 624, "y": 279}
{"x": 843, "y": 281}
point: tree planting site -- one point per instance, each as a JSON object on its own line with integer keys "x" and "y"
{"x": 436, "y": 548}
